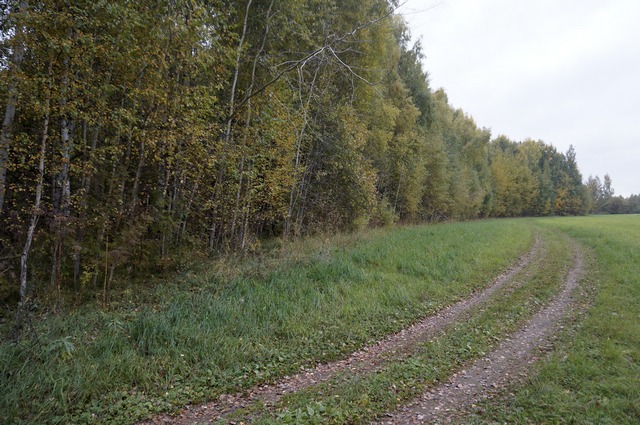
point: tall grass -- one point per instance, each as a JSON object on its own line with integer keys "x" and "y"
{"x": 245, "y": 321}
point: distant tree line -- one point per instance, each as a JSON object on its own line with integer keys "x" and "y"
{"x": 603, "y": 201}
{"x": 135, "y": 131}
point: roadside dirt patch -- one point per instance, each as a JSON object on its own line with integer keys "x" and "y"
{"x": 366, "y": 360}
{"x": 508, "y": 363}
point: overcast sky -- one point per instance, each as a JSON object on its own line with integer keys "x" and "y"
{"x": 563, "y": 71}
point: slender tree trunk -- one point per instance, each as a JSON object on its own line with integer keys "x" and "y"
{"x": 136, "y": 182}
{"x": 212, "y": 233}
{"x": 303, "y": 194}
{"x": 121, "y": 201}
{"x": 300, "y": 137}
{"x": 86, "y": 188}
{"x": 187, "y": 211}
{"x": 10, "y": 110}
{"x": 236, "y": 73}
{"x": 236, "y": 205}
{"x": 87, "y": 175}
{"x": 36, "y": 205}
{"x": 105, "y": 293}
{"x": 118, "y": 165}
{"x": 65, "y": 178}
{"x": 166, "y": 204}
{"x": 59, "y": 271}
{"x": 66, "y": 126}
{"x": 62, "y": 200}
{"x": 247, "y": 126}
{"x": 228, "y": 131}
{"x": 54, "y": 263}
{"x": 395, "y": 202}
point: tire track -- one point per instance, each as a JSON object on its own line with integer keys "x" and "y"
{"x": 499, "y": 368}
{"x": 366, "y": 360}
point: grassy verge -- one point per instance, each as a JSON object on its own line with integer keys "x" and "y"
{"x": 359, "y": 399}
{"x": 244, "y": 322}
{"x": 594, "y": 376}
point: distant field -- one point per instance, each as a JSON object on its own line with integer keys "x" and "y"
{"x": 237, "y": 323}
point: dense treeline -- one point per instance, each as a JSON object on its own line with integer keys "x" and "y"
{"x": 134, "y": 130}
{"x": 603, "y": 202}
{"x": 622, "y": 205}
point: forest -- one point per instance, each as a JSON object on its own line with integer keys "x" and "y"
{"x": 136, "y": 133}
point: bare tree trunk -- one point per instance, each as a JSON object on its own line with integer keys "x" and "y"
{"x": 236, "y": 73}
{"x": 105, "y": 293}
{"x": 247, "y": 126}
{"x": 10, "y": 110}
{"x": 301, "y": 211}
{"x": 236, "y": 206}
{"x": 305, "y": 121}
{"x": 59, "y": 271}
{"x": 212, "y": 234}
{"x": 395, "y": 203}
{"x": 245, "y": 230}
{"x": 136, "y": 182}
{"x": 87, "y": 172}
{"x": 86, "y": 188}
{"x": 54, "y": 263}
{"x": 36, "y": 205}
{"x": 66, "y": 126}
{"x": 229, "y": 127}
{"x": 62, "y": 200}
{"x": 187, "y": 211}
{"x": 65, "y": 179}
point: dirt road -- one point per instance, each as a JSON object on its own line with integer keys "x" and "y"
{"x": 440, "y": 404}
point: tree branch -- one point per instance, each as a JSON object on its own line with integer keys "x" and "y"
{"x": 306, "y": 58}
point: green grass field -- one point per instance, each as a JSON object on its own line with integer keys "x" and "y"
{"x": 245, "y": 322}
{"x": 359, "y": 399}
{"x": 239, "y": 322}
{"x": 594, "y": 376}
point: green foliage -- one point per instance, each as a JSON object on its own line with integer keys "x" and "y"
{"x": 600, "y": 199}
{"x": 531, "y": 178}
{"x": 207, "y": 126}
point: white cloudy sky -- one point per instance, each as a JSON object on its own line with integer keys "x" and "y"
{"x": 563, "y": 71}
